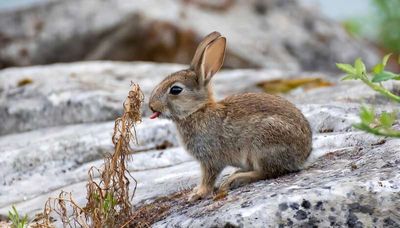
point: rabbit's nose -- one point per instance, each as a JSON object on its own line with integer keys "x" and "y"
{"x": 151, "y": 108}
{"x": 154, "y": 106}
{"x": 151, "y": 105}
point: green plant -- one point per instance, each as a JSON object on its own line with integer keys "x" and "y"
{"x": 109, "y": 203}
{"x": 16, "y": 220}
{"x": 388, "y": 13}
{"x": 371, "y": 122}
{"x": 353, "y": 26}
{"x": 380, "y": 24}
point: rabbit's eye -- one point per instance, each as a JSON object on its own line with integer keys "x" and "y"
{"x": 175, "y": 90}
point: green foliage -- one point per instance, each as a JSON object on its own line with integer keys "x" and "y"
{"x": 16, "y": 220}
{"x": 367, "y": 115}
{"x": 381, "y": 24}
{"x": 380, "y": 74}
{"x": 353, "y": 26}
{"x": 370, "y": 121}
{"x": 360, "y": 67}
{"x": 109, "y": 203}
{"x": 386, "y": 119}
{"x": 388, "y": 12}
{"x": 384, "y": 76}
{"x": 378, "y": 125}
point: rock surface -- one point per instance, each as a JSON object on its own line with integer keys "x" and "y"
{"x": 278, "y": 34}
{"x": 43, "y": 96}
{"x": 59, "y": 123}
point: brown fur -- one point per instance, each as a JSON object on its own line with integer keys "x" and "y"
{"x": 264, "y": 135}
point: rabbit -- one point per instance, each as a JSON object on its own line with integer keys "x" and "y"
{"x": 264, "y": 135}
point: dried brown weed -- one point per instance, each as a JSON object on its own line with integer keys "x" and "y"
{"x": 109, "y": 196}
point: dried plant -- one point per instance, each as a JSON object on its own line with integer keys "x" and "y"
{"x": 109, "y": 197}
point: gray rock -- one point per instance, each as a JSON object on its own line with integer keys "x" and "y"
{"x": 261, "y": 33}
{"x": 93, "y": 91}
{"x": 64, "y": 154}
{"x": 68, "y": 94}
{"x": 351, "y": 178}
{"x": 329, "y": 193}
{"x": 89, "y": 92}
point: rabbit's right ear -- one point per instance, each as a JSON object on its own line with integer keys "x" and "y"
{"x": 195, "y": 64}
{"x": 212, "y": 60}
{"x": 209, "y": 57}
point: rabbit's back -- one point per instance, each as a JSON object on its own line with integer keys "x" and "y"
{"x": 266, "y": 127}
{"x": 267, "y": 119}
{"x": 260, "y": 103}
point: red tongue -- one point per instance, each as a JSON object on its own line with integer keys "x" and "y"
{"x": 155, "y": 115}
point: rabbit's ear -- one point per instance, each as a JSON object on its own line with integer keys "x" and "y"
{"x": 195, "y": 64}
{"x": 212, "y": 60}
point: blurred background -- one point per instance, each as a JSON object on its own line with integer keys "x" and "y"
{"x": 288, "y": 34}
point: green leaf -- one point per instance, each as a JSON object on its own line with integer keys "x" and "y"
{"x": 384, "y": 76}
{"x": 378, "y": 68}
{"x": 361, "y": 126}
{"x": 367, "y": 115}
{"x": 386, "y": 59}
{"x": 109, "y": 203}
{"x": 15, "y": 210}
{"x": 387, "y": 119}
{"x": 346, "y": 68}
{"x": 360, "y": 67}
{"x": 349, "y": 77}
{"x": 353, "y": 27}
{"x": 16, "y": 220}
{"x": 11, "y": 216}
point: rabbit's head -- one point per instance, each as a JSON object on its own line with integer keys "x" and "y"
{"x": 184, "y": 92}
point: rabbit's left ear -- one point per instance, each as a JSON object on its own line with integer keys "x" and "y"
{"x": 212, "y": 60}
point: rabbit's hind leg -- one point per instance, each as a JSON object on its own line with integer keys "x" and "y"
{"x": 240, "y": 179}
{"x": 242, "y": 170}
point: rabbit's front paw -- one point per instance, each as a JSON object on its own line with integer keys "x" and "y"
{"x": 199, "y": 192}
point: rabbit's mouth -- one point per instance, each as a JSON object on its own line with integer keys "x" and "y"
{"x": 155, "y": 115}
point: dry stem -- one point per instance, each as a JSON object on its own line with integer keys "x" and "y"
{"x": 109, "y": 198}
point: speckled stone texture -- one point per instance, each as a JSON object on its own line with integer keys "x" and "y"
{"x": 59, "y": 125}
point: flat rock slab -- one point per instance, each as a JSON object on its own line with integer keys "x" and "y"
{"x": 61, "y": 156}
{"x": 58, "y": 124}
{"x": 62, "y": 94}
{"x": 352, "y": 187}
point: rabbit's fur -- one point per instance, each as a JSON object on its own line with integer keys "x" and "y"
{"x": 264, "y": 135}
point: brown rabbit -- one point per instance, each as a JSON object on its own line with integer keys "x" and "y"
{"x": 264, "y": 135}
